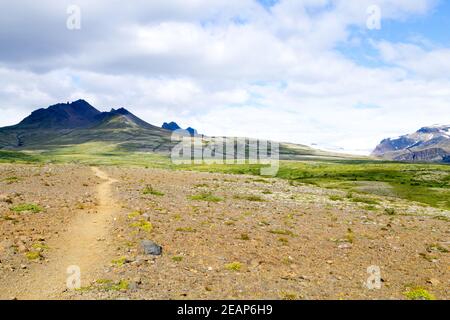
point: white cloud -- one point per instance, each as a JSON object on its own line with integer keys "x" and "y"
{"x": 431, "y": 64}
{"x": 226, "y": 67}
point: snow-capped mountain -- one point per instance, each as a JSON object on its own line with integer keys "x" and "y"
{"x": 428, "y": 144}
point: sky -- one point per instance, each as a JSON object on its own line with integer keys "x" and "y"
{"x": 335, "y": 74}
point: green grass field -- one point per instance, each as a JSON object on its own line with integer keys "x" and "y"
{"x": 93, "y": 153}
{"x": 428, "y": 184}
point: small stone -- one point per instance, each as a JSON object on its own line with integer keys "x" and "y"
{"x": 133, "y": 286}
{"x": 23, "y": 266}
{"x": 137, "y": 280}
{"x": 137, "y": 263}
{"x": 345, "y": 246}
{"x": 151, "y": 248}
{"x": 433, "y": 282}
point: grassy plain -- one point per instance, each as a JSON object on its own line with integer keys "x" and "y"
{"x": 427, "y": 184}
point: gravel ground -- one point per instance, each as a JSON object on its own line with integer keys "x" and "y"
{"x": 224, "y": 236}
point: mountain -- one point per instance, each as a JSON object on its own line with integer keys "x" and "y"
{"x": 172, "y": 126}
{"x": 121, "y": 118}
{"x": 428, "y": 144}
{"x": 76, "y": 123}
{"x": 78, "y": 114}
{"x": 79, "y": 122}
{"x": 192, "y": 131}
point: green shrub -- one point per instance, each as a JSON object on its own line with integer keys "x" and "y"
{"x": 33, "y": 255}
{"x": 206, "y": 196}
{"x": 27, "y": 207}
{"x": 143, "y": 225}
{"x": 119, "y": 262}
{"x": 364, "y": 200}
{"x": 389, "y": 211}
{"x": 149, "y": 190}
{"x": 350, "y": 236}
{"x": 134, "y": 214}
{"x": 11, "y": 180}
{"x": 288, "y": 296}
{"x": 244, "y": 236}
{"x": 186, "y": 229}
{"x": 418, "y": 293}
{"x": 233, "y": 266}
{"x": 281, "y": 232}
{"x": 336, "y": 198}
{"x": 250, "y": 197}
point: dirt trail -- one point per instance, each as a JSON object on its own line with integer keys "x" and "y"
{"x": 85, "y": 244}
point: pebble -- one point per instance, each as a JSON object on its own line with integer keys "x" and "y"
{"x": 434, "y": 282}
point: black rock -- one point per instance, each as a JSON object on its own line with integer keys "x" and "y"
{"x": 151, "y": 248}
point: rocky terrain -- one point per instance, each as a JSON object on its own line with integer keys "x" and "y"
{"x": 429, "y": 144}
{"x": 143, "y": 233}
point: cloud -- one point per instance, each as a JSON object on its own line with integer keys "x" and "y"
{"x": 431, "y": 64}
{"x": 226, "y": 67}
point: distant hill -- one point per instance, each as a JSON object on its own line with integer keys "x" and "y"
{"x": 78, "y": 122}
{"x": 428, "y": 144}
{"x": 172, "y": 126}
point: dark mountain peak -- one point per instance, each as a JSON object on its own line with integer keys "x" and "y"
{"x": 428, "y": 130}
{"x": 77, "y": 114}
{"x": 79, "y": 122}
{"x": 81, "y": 103}
{"x": 172, "y": 126}
{"x": 121, "y": 111}
{"x": 438, "y": 129}
{"x": 192, "y": 131}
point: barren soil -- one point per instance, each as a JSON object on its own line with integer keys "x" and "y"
{"x": 223, "y": 236}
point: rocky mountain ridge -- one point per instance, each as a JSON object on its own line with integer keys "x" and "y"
{"x": 428, "y": 144}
